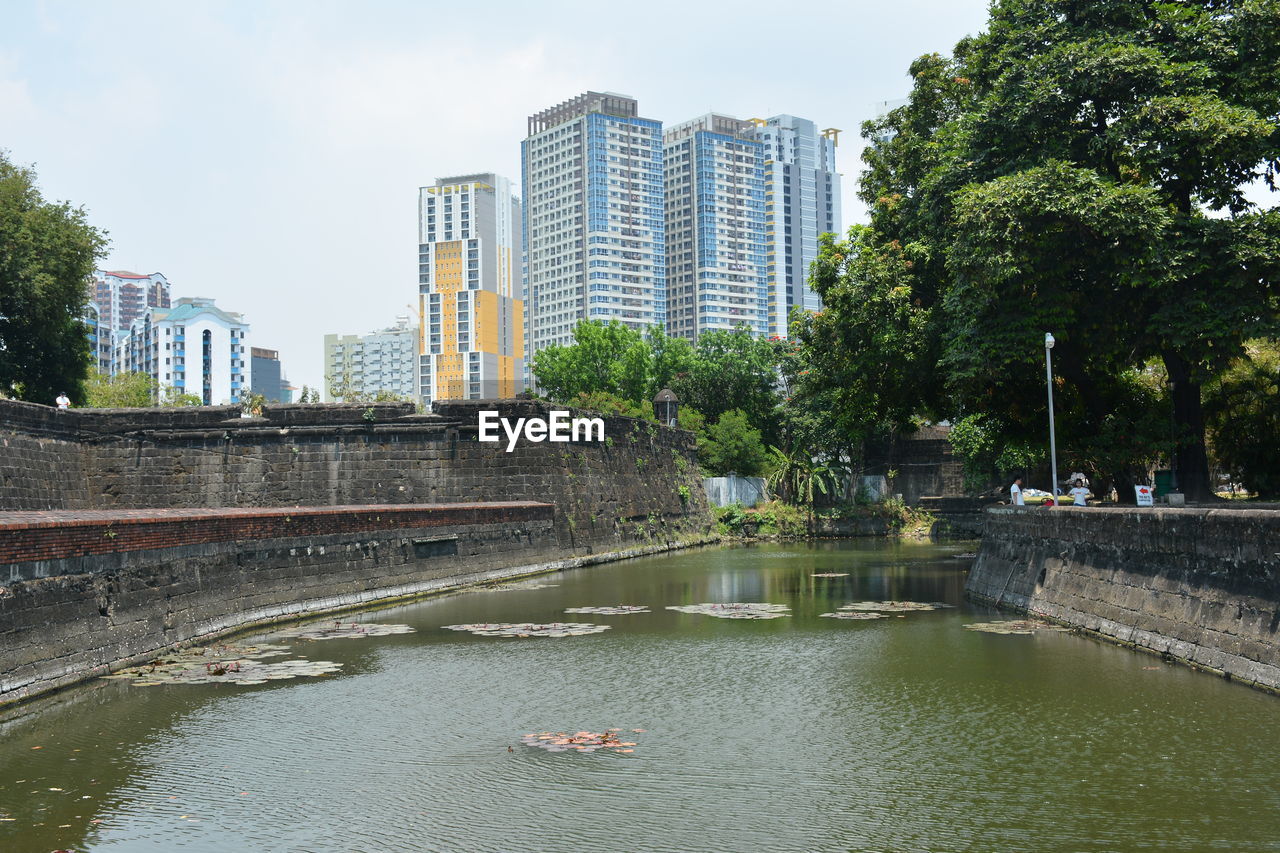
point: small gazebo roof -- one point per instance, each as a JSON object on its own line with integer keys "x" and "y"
{"x": 665, "y": 396}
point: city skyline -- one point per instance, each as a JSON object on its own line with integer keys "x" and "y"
{"x": 290, "y": 150}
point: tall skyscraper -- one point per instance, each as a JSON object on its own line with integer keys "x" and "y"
{"x": 715, "y": 212}
{"x": 802, "y": 200}
{"x": 470, "y": 302}
{"x": 594, "y": 222}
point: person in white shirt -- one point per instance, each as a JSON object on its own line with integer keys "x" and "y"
{"x": 63, "y": 401}
{"x": 1079, "y": 494}
{"x": 1015, "y": 492}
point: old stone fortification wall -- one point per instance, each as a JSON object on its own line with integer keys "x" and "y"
{"x": 624, "y": 491}
{"x": 84, "y": 602}
{"x": 1199, "y": 585}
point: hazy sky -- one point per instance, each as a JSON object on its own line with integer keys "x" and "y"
{"x": 268, "y": 154}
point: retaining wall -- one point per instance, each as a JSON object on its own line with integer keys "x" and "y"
{"x": 624, "y": 491}
{"x": 77, "y": 603}
{"x": 1201, "y": 586}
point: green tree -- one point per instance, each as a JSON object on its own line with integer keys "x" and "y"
{"x": 47, "y": 252}
{"x": 1243, "y": 414}
{"x": 1058, "y": 174}
{"x": 609, "y": 357}
{"x": 732, "y": 444}
{"x": 122, "y": 391}
{"x": 732, "y": 370}
{"x": 173, "y": 397}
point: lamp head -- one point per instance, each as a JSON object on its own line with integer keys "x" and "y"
{"x": 1048, "y": 340}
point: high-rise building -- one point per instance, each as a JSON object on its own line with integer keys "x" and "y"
{"x": 116, "y": 300}
{"x": 385, "y": 360}
{"x": 122, "y": 296}
{"x": 593, "y": 218}
{"x": 801, "y": 201}
{"x": 715, "y": 214}
{"x": 194, "y": 347}
{"x": 470, "y": 303}
{"x": 268, "y": 376}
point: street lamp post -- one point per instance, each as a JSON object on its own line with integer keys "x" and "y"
{"x": 1053, "y": 442}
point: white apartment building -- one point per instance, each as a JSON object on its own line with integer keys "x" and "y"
{"x": 802, "y": 200}
{"x": 195, "y": 347}
{"x": 385, "y": 360}
{"x": 593, "y": 218}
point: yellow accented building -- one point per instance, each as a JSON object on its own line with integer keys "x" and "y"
{"x": 471, "y": 344}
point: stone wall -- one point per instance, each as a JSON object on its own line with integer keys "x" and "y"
{"x": 71, "y": 613}
{"x": 642, "y": 483}
{"x": 1198, "y": 585}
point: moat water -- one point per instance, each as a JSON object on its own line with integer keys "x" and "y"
{"x": 793, "y": 734}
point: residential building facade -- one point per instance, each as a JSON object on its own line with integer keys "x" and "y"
{"x": 594, "y": 223}
{"x": 122, "y": 297}
{"x": 117, "y": 299}
{"x": 470, "y": 306}
{"x": 802, "y": 201}
{"x": 194, "y": 347}
{"x": 363, "y": 365}
{"x": 715, "y": 217}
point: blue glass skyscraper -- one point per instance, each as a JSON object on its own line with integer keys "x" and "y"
{"x": 594, "y": 232}
{"x": 716, "y": 275}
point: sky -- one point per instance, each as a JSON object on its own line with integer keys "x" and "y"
{"x": 268, "y": 154}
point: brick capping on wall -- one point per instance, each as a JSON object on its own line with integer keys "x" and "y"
{"x": 1197, "y": 585}
{"x": 51, "y": 535}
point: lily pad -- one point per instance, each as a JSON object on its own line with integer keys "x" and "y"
{"x": 894, "y": 606}
{"x": 735, "y": 610}
{"x": 854, "y": 615}
{"x": 1014, "y": 626}
{"x": 829, "y": 575}
{"x": 343, "y": 630}
{"x": 223, "y": 664}
{"x": 525, "y": 585}
{"x": 529, "y": 629}
{"x": 615, "y": 610}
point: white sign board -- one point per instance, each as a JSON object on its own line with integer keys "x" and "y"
{"x": 1146, "y": 495}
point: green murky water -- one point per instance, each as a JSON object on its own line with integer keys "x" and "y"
{"x": 792, "y": 734}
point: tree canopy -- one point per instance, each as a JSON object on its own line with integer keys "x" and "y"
{"x": 1079, "y": 168}
{"x": 47, "y": 253}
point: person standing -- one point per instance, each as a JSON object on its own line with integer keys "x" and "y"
{"x": 1079, "y": 493}
{"x": 63, "y": 401}
{"x": 1015, "y": 492}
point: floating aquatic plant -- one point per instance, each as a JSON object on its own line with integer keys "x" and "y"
{"x": 526, "y": 585}
{"x": 529, "y": 629}
{"x": 579, "y": 741}
{"x": 855, "y": 615}
{"x": 829, "y": 575}
{"x": 222, "y": 664}
{"x": 615, "y": 610}
{"x": 1014, "y": 626}
{"x": 894, "y": 606}
{"x": 735, "y": 610}
{"x": 967, "y": 555}
{"x": 343, "y": 630}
